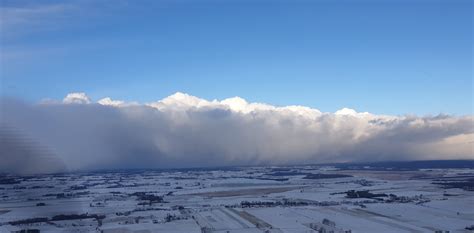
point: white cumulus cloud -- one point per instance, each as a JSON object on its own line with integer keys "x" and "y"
{"x": 76, "y": 98}
{"x": 187, "y": 131}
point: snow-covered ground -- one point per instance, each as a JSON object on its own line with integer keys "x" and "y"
{"x": 250, "y": 199}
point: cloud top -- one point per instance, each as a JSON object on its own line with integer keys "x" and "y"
{"x": 186, "y": 131}
{"x": 77, "y": 98}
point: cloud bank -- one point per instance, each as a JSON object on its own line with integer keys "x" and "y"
{"x": 186, "y": 131}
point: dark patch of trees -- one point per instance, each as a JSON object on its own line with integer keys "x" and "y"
{"x": 78, "y": 187}
{"x": 263, "y": 178}
{"x": 363, "y": 194}
{"x": 325, "y": 176}
{"x": 66, "y": 195}
{"x": 273, "y": 179}
{"x": 28, "y": 221}
{"x": 7, "y": 180}
{"x": 287, "y": 173}
{"x": 29, "y": 231}
{"x": 249, "y": 204}
{"x": 62, "y": 217}
{"x": 467, "y": 185}
{"x": 149, "y": 198}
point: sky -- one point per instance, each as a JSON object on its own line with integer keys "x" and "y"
{"x": 90, "y": 85}
{"x": 385, "y": 57}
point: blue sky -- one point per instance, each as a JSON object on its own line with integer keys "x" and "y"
{"x": 388, "y": 57}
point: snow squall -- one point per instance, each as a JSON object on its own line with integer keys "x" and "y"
{"x": 186, "y": 131}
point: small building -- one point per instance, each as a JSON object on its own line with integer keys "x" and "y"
{"x": 329, "y": 222}
{"x": 327, "y": 226}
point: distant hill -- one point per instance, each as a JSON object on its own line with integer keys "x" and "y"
{"x": 407, "y": 165}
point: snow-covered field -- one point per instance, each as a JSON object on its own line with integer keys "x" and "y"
{"x": 249, "y": 199}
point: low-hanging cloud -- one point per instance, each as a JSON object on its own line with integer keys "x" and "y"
{"x": 187, "y": 131}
